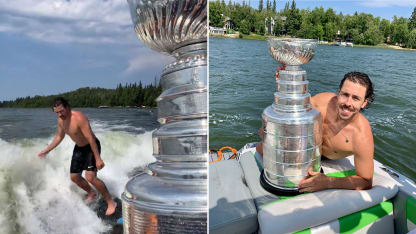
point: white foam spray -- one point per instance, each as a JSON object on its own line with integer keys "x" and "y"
{"x": 37, "y": 195}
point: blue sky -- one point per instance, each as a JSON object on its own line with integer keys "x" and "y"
{"x": 386, "y": 9}
{"x": 54, "y": 46}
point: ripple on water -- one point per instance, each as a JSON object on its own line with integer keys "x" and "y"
{"x": 242, "y": 85}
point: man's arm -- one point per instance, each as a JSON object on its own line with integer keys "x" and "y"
{"x": 87, "y": 132}
{"x": 363, "y": 149}
{"x": 60, "y": 134}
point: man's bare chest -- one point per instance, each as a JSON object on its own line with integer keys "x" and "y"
{"x": 336, "y": 144}
{"x": 71, "y": 129}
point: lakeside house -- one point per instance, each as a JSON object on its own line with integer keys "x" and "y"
{"x": 228, "y": 25}
{"x": 217, "y": 30}
{"x": 270, "y": 22}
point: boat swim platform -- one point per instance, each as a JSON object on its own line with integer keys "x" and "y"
{"x": 239, "y": 204}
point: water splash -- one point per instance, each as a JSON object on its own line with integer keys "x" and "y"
{"x": 37, "y": 196}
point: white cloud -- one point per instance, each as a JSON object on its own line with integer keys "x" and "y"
{"x": 146, "y": 60}
{"x": 389, "y": 3}
{"x": 61, "y": 21}
{"x": 114, "y": 11}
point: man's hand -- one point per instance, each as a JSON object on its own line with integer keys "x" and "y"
{"x": 261, "y": 133}
{"x": 316, "y": 181}
{"x": 283, "y": 67}
{"x": 42, "y": 154}
{"x": 99, "y": 164}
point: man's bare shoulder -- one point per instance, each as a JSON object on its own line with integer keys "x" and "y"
{"x": 322, "y": 99}
{"x": 60, "y": 122}
{"x": 79, "y": 116}
{"x": 324, "y": 96}
{"x": 361, "y": 124}
{"x": 362, "y": 134}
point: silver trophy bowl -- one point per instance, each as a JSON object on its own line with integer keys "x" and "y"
{"x": 292, "y": 129}
{"x": 292, "y": 51}
{"x": 165, "y": 25}
{"x": 171, "y": 197}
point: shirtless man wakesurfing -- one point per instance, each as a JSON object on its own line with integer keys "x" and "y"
{"x": 345, "y": 131}
{"x": 86, "y": 154}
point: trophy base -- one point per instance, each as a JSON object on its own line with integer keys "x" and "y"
{"x": 276, "y": 191}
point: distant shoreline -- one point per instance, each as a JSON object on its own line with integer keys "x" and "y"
{"x": 259, "y": 37}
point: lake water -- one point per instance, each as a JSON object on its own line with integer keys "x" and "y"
{"x": 242, "y": 83}
{"x": 36, "y": 195}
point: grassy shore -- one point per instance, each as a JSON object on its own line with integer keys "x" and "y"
{"x": 260, "y": 37}
{"x": 385, "y": 46}
{"x": 252, "y": 36}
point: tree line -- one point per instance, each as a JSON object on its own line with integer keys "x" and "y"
{"x": 362, "y": 28}
{"x": 127, "y": 95}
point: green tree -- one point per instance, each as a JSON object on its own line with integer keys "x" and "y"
{"x": 245, "y": 27}
{"x": 317, "y": 16}
{"x": 385, "y": 29}
{"x": 274, "y": 6}
{"x": 129, "y": 95}
{"x": 329, "y": 16}
{"x": 294, "y": 19}
{"x": 240, "y": 13}
{"x": 318, "y": 32}
{"x": 278, "y": 26}
{"x": 412, "y": 20}
{"x": 286, "y": 10}
{"x": 306, "y": 30}
{"x": 411, "y": 43}
{"x": 260, "y": 5}
{"x": 259, "y": 25}
{"x": 373, "y": 35}
{"x": 400, "y": 30}
{"x": 357, "y": 37}
{"x": 216, "y": 18}
{"x": 330, "y": 30}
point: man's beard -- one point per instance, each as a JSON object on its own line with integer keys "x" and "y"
{"x": 350, "y": 112}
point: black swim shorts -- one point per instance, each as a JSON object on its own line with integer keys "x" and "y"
{"x": 83, "y": 158}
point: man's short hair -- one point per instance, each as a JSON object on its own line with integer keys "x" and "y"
{"x": 60, "y": 101}
{"x": 364, "y": 80}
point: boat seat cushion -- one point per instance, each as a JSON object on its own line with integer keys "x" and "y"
{"x": 313, "y": 209}
{"x": 251, "y": 166}
{"x": 231, "y": 206}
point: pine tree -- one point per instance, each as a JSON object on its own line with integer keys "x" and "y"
{"x": 274, "y": 6}
{"x": 260, "y": 5}
{"x": 223, "y": 4}
{"x": 412, "y": 22}
{"x": 293, "y": 6}
{"x": 286, "y": 7}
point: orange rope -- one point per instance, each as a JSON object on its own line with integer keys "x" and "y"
{"x": 219, "y": 153}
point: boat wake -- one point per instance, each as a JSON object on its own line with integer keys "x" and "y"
{"x": 37, "y": 195}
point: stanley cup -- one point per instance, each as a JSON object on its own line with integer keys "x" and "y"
{"x": 292, "y": 129}
{"x": 171, "y": 197}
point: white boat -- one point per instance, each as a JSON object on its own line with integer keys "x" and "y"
{"x": 239, "y": 204}
{"x": 349, "y": 43}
